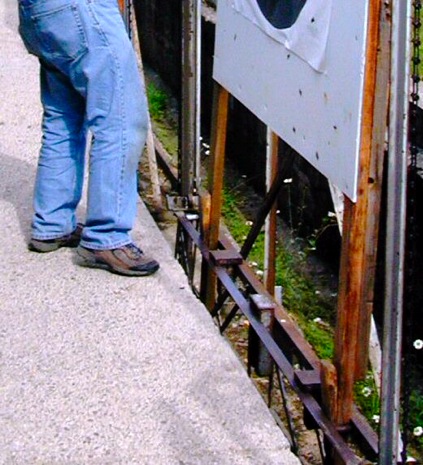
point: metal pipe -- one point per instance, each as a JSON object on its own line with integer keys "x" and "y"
{"x": 190, "y": 108}
{"x": 395, "y": 232}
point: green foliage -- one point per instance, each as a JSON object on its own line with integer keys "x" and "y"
{"x": 157, "y": 101}
{"x": 300, "y": 295}
{"x": 367, "y": 398}
{"x": 416, "y": 407}
{"x": 321, "y": 338}
{"x": 164, "y": 127}
{"x": 416, "y": 415}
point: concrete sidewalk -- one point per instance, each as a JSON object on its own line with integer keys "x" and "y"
{"x": 98, "y": 369}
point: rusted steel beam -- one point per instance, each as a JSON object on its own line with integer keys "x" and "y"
{"x": 314, "y": 409}
{"x": 229, "y": 318}
{"x": 195, "y": 235}
{"x": 225, "y": 257}
{"x": 310, "y": 379}
{"x": 366, "y": 436}
{"x": 312, "y": 406}
{"x": 283, "y": 322}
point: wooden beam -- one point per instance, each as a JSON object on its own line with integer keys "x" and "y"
{"x": 381, "y": 109}
{"x": 352, "y": 314}
{"x": 271, "y": 221}
{"x": 215, "y": 182}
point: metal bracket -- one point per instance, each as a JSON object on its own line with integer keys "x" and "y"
{"x": 259, "y": 356}
{"x": 225, "y": 257}
{"x": 182, "y": 203}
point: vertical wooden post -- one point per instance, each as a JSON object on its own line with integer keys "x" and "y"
{"x": 375, "y": 187}
{"x": 354, "y": 259}
{"x": 350, "y": 282}
{"x": 271, "y": 226}
{"x": 215, "y": 182}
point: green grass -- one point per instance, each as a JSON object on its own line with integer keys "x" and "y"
{"x": 300, "y": 296}
{"x": 157, "y": 102}
{"x": 164, "y": 127}
{"x": 367, "y": 398}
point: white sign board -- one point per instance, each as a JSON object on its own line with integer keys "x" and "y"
{"x": 298, "y": 65}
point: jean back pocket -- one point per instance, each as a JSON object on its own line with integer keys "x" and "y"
{"x": 61, "y": 32}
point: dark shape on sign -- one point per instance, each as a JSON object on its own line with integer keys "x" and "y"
{"x": 281, "y": 14}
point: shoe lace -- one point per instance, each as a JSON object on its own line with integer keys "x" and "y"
{"x": 134, "y": 251}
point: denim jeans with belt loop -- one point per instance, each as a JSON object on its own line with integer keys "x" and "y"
{"x": 89, "y": 81}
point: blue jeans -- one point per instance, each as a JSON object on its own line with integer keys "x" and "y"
{"x": 89, "y": 81}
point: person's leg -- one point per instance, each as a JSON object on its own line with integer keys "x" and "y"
{"x": 61, "y": 161}
{"x": 60, "y": 170}
{"x": 87, "y": 41}
{"x": 117, "y": 117}
{"x": 95, "y": 53}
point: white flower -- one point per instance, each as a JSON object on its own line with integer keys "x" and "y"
{"x": 376, "y": 418}
{"x": 366, "y": 391}
{"x": 317, "y": 320}
{"x": 207, "y": 152}
{"x": 255, "y": 264}
{"x": 287, "y": 181}
{"x": 260, "y": 273}
{"x": 248, "y": 223}
{"x": 418, "y": 431}
{"x": 317, "y": 292}
{"x": 418, "y": 344}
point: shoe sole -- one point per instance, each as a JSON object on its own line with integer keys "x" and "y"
{"x": 92, "y": 262}
{"x": 71, "y": 242}
{"x": 41, "y": 247}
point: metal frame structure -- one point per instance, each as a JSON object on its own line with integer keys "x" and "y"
{"x": 285, "y": 343}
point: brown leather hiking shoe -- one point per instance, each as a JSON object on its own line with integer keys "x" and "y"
{"x": 49, "y": 245}
{"x": 128, "y": 260}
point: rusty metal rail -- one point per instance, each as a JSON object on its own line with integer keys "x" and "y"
{"x": 305, "y": 381}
